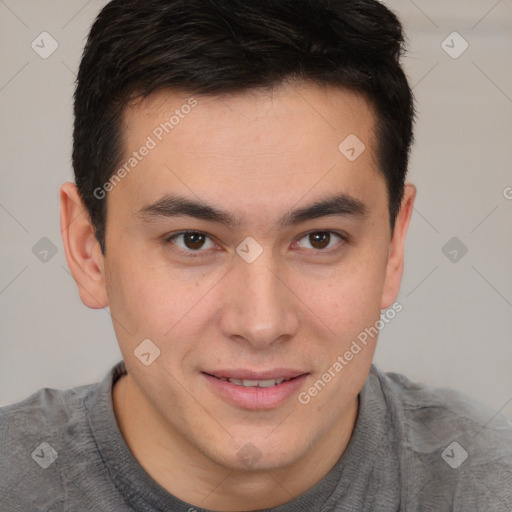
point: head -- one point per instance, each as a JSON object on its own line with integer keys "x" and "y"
{"x": 277, "y": 134}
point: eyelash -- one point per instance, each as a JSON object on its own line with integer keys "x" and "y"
{"x": 203, "y": 253}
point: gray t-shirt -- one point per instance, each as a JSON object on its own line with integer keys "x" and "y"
{"x": 414, "y": 448}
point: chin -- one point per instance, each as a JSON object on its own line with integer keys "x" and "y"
{"x": 259, "y": 452}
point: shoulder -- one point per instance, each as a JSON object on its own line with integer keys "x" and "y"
{"x": 34, "y": 433}
{"x": 42, "y": 412}
{"x": 463, "y": 447}
{"x": 444, "y": 410}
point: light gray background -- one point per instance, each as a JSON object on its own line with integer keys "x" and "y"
{"x": 456, "y": 326}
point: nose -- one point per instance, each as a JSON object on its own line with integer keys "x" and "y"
{"x": 258, "y": 307}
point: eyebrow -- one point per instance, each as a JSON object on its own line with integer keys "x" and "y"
{"x": 177, "y": 206}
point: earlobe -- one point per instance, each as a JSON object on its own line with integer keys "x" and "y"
{"x": 395, "y": 264}
{"x": 83, "y": 253}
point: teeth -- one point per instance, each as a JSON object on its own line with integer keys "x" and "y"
{"x": 257, "y": 383}
{"x": 249, "y": 383}
{"x": 269, "y": 383}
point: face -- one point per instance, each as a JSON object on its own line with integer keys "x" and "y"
{"x": 248, "y": 248}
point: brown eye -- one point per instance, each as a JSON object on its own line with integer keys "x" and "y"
{"x": 194, "y": 243}
{"x": 194, "y": 240}
{"x": 320, "y": 240}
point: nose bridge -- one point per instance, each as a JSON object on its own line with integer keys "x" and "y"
{"x": 258, "y": 306}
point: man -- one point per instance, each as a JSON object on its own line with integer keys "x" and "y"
{"x": 241, "y": 207}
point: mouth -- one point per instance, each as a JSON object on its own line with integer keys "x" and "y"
{"x": 255, "y": 391}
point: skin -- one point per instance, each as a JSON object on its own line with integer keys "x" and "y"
{"x": 255, "y": 155}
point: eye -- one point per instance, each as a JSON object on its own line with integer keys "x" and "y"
{"x": 191, "y": 242}
{"x": 320, "y": 240}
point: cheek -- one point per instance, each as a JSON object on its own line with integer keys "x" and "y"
{"x": 140, "y": 298}
{"x": 149, "y": 299}
{"x": 348, "y": 298}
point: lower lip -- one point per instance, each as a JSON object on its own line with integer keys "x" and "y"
{"x": 256, "y": 398}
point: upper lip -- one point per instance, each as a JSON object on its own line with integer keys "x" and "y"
{"x": 241, "y": 374}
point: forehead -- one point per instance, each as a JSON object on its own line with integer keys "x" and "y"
{"x": 325, "y": 110}
{"x": 262, "y": 144}
{"x": 333, "y": 107}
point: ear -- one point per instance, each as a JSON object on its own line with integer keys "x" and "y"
{"x": 395, "y": 265}
{"x": 83, "y": 251}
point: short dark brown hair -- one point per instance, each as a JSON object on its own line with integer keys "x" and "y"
{"x": 212, "y": 47}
